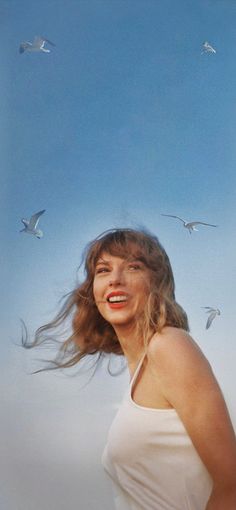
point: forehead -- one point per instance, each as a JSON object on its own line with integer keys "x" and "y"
{"x": 108, "y": 257}
{"x": 127, "y": 251}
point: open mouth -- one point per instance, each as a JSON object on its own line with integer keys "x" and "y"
{"x": 116, "y": 299}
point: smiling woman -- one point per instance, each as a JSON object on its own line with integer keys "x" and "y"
{"x": 120, "y": 285}
{"x": 172, "y": 445}
{"x": 136, "y": 253}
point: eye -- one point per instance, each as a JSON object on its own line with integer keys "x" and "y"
{"x": 134, "y": 267}
{"x": 101, "y": 269}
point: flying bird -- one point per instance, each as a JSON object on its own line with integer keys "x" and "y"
{"x": 207, "y": 48}
{"x": 36, "y": 46}
{"x": 31, "y": 225}
{"x": 190, "y": 225}
{"x": 213, "y": 313}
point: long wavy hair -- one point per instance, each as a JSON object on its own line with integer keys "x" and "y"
{"x": 91, "y": 333}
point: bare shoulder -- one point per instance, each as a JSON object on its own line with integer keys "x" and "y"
{"x": 175, "y": 349}
{"x": 174, "y": 341}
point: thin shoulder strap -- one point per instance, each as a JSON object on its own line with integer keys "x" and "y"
{"x": 135, "y": 375}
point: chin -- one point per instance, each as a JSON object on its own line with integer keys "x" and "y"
{"x": 121, "y": 321}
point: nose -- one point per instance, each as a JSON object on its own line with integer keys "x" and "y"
{"x": 116, "y": 278}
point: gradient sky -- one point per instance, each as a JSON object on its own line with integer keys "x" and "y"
{"x": 124, "y": 120}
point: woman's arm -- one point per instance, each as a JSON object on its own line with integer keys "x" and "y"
{"x": 189, "y": 385}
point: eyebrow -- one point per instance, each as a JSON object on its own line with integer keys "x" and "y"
{"x": 102, "y": 261}
{"x": 128, "y": 259}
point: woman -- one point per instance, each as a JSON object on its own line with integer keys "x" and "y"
{"x": 171, "y": 445}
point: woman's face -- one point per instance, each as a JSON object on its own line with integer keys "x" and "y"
{"x": 120, "y": 289}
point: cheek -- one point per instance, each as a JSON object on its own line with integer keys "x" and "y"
{"x": 142, "y": 285}
{"x": 100, "y": 307}
{"x": 145, "y": 291}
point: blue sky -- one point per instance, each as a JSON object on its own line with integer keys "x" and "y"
{"x": 124, "y": 120}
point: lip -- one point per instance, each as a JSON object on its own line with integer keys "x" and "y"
{"x": 121, "y": 304}
{"x": 116, "y": 293}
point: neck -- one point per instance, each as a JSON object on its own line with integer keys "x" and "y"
{"x": 132, "y": 344}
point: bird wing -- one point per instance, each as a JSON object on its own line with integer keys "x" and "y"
{"x": 49, "y": 42}
{"x": 41, "y": 40}
{"x": 209, "y": 308}
{"x": 24, "y": 46}
{"x": 35, "y": 219}
{"x": 210, "y": 319}
{"x": 25, "y": 222}
{"x": 38, "y": 42}
{"x": 208, "y": 47}
{"x": 201, "y": 223}
{"x": 172, "y": 216}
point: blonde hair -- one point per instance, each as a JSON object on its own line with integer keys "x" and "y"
{"x": 91, "y": 333}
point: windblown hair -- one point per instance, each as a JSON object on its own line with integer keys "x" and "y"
{"x": 91, "y": 333}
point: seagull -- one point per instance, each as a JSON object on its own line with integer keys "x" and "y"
{"x": 190, "y": 225}
{"x": 31, "y": 225}
{"x": 207, "y": 48}
{"x": 213, "y": 313}
{"x": 37, "y": 45}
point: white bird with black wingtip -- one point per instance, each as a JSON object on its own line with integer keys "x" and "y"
{"x": 213, "y": 312}
{"x": 207, "y": 48}
{"x": 31, "y": 225}
{"x": 190, "y": 225}
{"x": 36, "y": 46}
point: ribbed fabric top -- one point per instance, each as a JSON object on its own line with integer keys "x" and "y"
{"x": 152, "y": 461}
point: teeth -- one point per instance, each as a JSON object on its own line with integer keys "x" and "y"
{"x": 115, "y": 299}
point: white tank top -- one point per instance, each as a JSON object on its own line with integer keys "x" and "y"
{"x": 152, "y": 461}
